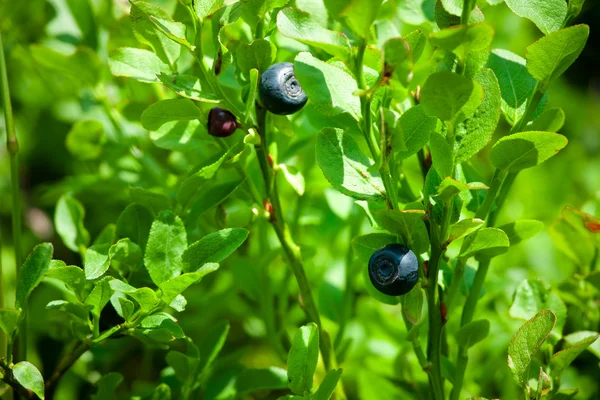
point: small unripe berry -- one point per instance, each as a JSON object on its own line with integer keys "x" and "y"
{"x": 279, "y": 90}
{"x": 393, "y": 270}
{"x": 221, "y": 123}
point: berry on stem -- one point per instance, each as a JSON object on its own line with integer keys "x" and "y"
{"x": 393, "y": 270}
{"x": 221, "y": 123}
{"x": 279, "y": 90}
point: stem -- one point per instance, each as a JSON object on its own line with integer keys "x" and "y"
{"x": 12, "y": 145}
{"x": 290, "y": 248}
{"x": 495, "y": 185}
{"x": 365, "y": 102}
{"x": 434, "y": 335}
{"x": 63, "y": 366}
{"x": 499, "y": 188}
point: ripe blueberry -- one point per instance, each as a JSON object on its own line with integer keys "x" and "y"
{"x": 393, "y": 270}
{"x": 279, "y": 90}
{"x": 221, "y": 123}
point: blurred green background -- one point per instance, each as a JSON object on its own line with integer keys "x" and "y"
{"x": 378, "y": 362}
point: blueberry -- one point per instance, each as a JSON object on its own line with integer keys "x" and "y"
{"x": 279, "y": 90}
{"x": 394, "y": 269}
{"x": 221, "y": 123}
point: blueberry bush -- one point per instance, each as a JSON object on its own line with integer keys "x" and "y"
{"x": 299, "y": 199}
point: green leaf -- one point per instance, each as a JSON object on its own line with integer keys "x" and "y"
{"x": 328, "y": 87}
{"x": 399, "y": 59}
{"x": 181, "y": 364}
{"x": 416, "y": 41}
{"x": 73, "y": 277}
{"x": 187, "y": 86}
{"x": 107, "y": 386}
{"x": 77, "y": 310}
{"x": 473, "y": 332}
{"x": 97, "y": 261}
{"x": 161, "y": 327}
{"x": 464, "y": 227}
{"x": 166, "y": 243}
{"x": 327, "y": 386}
{"x": 409, "y": 225}
{"x": 360, "y": 15}
{"x": 68, "y": 219}
{"x": 194, "y": 184}
{"x": 441, "y": 154}
{"x": 211, "y": 345}
{"x": 516, "y": 84}
{"x": 146, "y": 31}
{"x": 570, "y": 235}
{"x": 364, "y": 246}
{"x": 561, "y": 360}
{"x": 476, "y": 132}
{"x": 29, "y": 377}
{"x": 181, "y": 135}
{"x": 9, "y": 320}
{"x": 302, "y": 359}
{"x": 413, "y": 132}
{"x": 173, "y": 30}
{"x": 294, "y": 178}
{"x": 260, "y": 55}
{"x": 85, "y": 139}
{"x": 576, "y": 337}
{"x": 412, "y": 305}
{"x": 82, "y": 67}
{"x": 106, "y": 236}
{"x": 451, "y": 187}
{"x": 301, "y": 26}
{"x": 260, "y": 379}
{"x": 251, "y": 96}
{"x": 550, "y": 56}
{"x": 164, "y": 111}
{"x": 547, "y": 15}
{"x": 463, "y": 38}
{"x": 134, "y": 223}
{"x": 346, "y": 167}
{"x": 485, "y": 242}
{"x": 126, "y": 252}
{"x": 213, "y": 248}
{"x": 450, "y": 96}
{"x": 99, "y": 296}
{"x": 531, "y": 297}
{"x": 526, "y": 149}
{"x": 153, "y": 201}
{"x": 213, "y": 193}
{"x": 32, "y": 272}
{"x": 551, "y": 120}
{"x": 521, "y": 230}
{"x": 526, "y": 342}
{"x": 206, "y": 8}
{"x": 175, "y": 286}
{"x": 162, "y": 392}
{"x": 141, "y": 65}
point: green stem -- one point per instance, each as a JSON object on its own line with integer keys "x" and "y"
{"x": 457, "y": 278}
{"x": 12, "y": 145}
{"x": 495, "y": 185}
{"x": 499, "y": 189}
{"x": 290, "y": 248}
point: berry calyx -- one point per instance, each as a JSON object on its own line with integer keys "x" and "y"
{"x": 221, "y": 123}
{"x": 279, "y": 90}
{"x": 393, "y": 270}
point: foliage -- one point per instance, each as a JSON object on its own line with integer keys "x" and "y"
{"x": 168, "y": 263}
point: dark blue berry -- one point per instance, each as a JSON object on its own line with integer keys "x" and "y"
{"x": 394, "y": 270}
{"x": 221, "y": 123}
{"x": 279, "y": 90}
